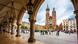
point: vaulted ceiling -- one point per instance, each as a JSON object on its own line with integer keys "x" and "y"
{"x": 6, "y": 5}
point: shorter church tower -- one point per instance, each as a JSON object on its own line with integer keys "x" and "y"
{"x": 54, "y": 18}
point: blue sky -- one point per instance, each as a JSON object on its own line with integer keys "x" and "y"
{"x": 64, "y": 9}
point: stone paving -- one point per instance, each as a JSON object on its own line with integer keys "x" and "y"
{"x": 63, "y": 38}
{"x": 7, "y": 38}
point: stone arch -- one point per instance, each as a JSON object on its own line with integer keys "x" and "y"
{"x": 36, "y": 8}
{"x": 75, "y": 4}
{"x": 20, "y": 15}
{"x": 23, "y": 9}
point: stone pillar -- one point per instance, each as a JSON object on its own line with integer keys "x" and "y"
{"x": 18, "y": 30}
{"x": 1, "y": 29}
{"x": 9, "y": 28}
{"x": 6, "y": 28}
{"x": 12, "y": 29}
{"x": 31, "y": 12}
{"x": 32, "y": 21}
{"x": 76, "y": 12}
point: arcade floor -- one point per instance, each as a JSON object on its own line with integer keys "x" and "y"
{"x": 6, "y": 38}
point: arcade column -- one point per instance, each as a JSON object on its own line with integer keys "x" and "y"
{"x": 32, "y": 21}
{"x": 18, "y": 29}
{"x": 76, "y": 12}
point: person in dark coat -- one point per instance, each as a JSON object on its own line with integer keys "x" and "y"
{"x": 57, "y": 32}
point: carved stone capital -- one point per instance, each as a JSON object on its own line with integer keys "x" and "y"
{"x": 19, "y": 23}
{"x": 76, "y": 12}
{"x": 76, "y": 17}
{"x": 32, "y": 20}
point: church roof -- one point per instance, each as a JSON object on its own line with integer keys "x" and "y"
{"x": 71, "y": 18}
{"x": 53, "y": 9}
{"x": 54, "y": 12}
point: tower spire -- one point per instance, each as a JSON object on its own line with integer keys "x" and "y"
{"x": 53, "y": 9}
{"x": 47, "y": 8}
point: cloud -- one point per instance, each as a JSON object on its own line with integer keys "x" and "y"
{"x": 25, "y": 17}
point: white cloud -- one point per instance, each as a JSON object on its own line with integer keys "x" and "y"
{"x": 25, "y": 17}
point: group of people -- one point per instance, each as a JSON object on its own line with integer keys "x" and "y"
{"x": 49, "y": 32}
{"x": 24, "y": 31}
{"x": 46, "y": 32}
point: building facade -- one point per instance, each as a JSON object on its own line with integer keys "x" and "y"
{"x": 70, "y": 24}
{"x": 65, "y": 24}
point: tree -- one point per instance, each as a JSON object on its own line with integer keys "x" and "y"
{"x": 22, "y": 27}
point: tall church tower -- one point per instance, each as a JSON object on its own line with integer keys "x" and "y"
{"x": 54, "y": 18}
{"x": 47, "y": 17}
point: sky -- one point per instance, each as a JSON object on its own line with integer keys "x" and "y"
{"x": 64, "y": 10}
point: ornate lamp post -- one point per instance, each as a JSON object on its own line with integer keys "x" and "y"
{"x": 31, "y": 19}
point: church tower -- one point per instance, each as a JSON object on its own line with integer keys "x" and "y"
{"x": 47, "y": 17}
{"x": 54, "y": 18}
